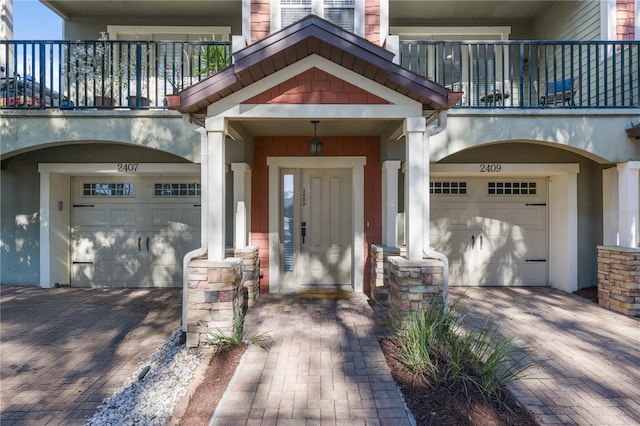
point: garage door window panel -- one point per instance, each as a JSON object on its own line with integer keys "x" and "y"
{"x": 448, "y": 188}
{"x": 512, "y": 188}
{"x": 108, "y": 189}
{"x": 177, "y": 189}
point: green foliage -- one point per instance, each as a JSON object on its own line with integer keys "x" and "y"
{"x": 433, "y": 343}
{"x": 217, "y": 338}
{"x": 211, "y": 58}
{"x": 181, "y": 65}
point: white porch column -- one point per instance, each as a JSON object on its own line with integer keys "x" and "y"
{"x": 45, "y": 245}
{"x": 216, "y": 188}
{"x": 563, "y": 231}
{"x": 416, "y": 188}
{"x": 610, "y": 207}
{"x": 628, "y": 204}
{"x": 390, "y": 202}
{"x": 242, "y": 203}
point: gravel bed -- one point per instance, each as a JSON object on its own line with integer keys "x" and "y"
{"x": 150, "y": 400}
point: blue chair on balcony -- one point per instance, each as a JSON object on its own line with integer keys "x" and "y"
{"x": 558, "y": 92}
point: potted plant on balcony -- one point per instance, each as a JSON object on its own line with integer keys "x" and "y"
{"x": 633, "y": 132}
{"x": 191, "y": 66}
{"x": 98, "y": 68}
{"x": 139, "y": 64}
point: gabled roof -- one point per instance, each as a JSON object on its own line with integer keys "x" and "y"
{"x": 314, "y": 35}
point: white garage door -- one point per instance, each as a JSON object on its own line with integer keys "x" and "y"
{"x": 494, "y": 231}
{"x": 133, "y": 231}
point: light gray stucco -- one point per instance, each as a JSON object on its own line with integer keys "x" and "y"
{"x": 21, "y": 131}
{"x": 599, "y": 135}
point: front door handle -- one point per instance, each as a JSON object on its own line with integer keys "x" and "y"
{"x": 473, "y": 241}
{"x": 303, "y": 230}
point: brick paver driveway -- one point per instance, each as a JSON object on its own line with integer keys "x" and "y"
{"x": 589, "y": 371}
{"x": 62, "y": 351}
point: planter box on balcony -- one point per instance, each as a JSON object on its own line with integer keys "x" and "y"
{"x": 144, "y": 102}
{"x": 172, "y": 101}
{"x": 633, "y": 132}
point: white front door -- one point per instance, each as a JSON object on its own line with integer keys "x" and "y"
{"x": 494, "y": 231}
{"x": 316, "y": 231}
{"x": 133, "y": 231}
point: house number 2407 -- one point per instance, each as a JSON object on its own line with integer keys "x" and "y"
{"x": 490, "y": 167}
{"x": 127, "y": 167}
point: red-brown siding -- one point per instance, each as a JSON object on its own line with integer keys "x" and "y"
{"x": 372, "y": 21}
{"x": 315, "y": 86}
{"x": 625, "y": 19}
{"x": 260, "y": 19}
{"x": 368, "y": 146}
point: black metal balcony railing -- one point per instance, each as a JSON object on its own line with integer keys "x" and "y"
{"x": 531, "y": 74}
{"x": 103, "y": 74}
{"x": 106, "y": 74}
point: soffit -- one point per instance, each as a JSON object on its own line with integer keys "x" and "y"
{"x": 77, "y": 9}
{"x": 402, "y": 12}
{"x": 474, "y": 12}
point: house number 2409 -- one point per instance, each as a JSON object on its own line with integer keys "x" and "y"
{"x": 490, "y": 167}
{"x": 127, "y": 167}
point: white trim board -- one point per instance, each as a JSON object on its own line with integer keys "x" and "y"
{"x": 232, "y": 106}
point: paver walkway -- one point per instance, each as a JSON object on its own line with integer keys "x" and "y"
{"x": 325, "y": 366}
{"x": 589, "y": 371}
{"x": 62, "y": 351}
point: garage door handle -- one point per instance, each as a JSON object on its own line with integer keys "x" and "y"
{"x": 139, "y": 241}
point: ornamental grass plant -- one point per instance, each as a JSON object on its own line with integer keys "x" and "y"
{"x": 237, "y": 338}
{"x": 435, "y": 346}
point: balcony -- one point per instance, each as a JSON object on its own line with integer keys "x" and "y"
{"x": 531, "y": 74}
{"x": 105, "y": 74}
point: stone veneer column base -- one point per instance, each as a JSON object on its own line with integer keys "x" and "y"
{"x": 380, "y": 272}
{"x": 212, "y": 289}
{"x": 619, "y": 279}
{"x": 250, "y": 272}
{"x": 413, "y": 286}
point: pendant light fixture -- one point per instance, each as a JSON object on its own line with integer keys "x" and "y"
{"x": 315, "y": 144}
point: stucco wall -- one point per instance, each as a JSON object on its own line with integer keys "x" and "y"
{"x": 162, "y": 130}
{"x": 597, "y": 134}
